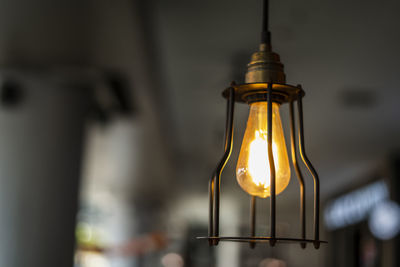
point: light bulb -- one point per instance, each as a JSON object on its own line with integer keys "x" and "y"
{"x": 253, "y": 170}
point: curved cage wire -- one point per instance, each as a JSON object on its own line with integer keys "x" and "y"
{"x": 270, "y": 92}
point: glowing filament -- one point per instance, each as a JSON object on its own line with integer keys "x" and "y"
{"x": 253, "y": 169}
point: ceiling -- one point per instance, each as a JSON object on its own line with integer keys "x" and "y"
{"x": 183, "y": 53}
{"x": 344, "y": 53}
{"x": 179, "y": 55}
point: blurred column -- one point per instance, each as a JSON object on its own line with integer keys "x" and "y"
{"x": 41, "y": 129}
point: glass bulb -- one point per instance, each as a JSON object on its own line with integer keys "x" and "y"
{"x": 252, "y": 170}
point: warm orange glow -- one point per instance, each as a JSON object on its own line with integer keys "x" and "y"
{"x": 253, "y": 170}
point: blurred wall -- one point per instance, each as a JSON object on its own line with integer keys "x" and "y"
{"x": 40, "y": 158}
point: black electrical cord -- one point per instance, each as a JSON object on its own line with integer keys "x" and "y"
{"x": 265, "y": 34}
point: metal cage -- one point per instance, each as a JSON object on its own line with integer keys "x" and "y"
{"x": 270, "y": 92}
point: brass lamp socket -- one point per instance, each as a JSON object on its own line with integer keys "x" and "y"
{"x": 265, "y": 67}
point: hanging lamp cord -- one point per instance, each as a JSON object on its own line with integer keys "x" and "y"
{"x": 265, "y": 33}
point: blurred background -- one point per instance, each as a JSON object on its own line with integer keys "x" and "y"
{"x": 112, "y": 121}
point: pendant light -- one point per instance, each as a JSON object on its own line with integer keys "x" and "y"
{"x": 263, "y": 168}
